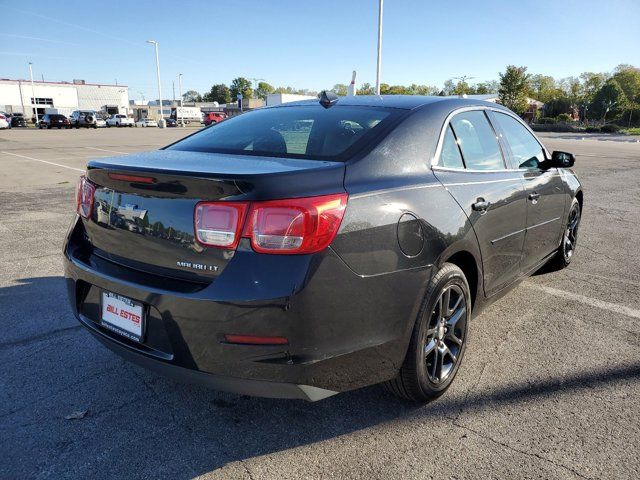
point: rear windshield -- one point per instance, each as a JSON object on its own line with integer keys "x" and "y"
{"x": 311, "y": 132}
{"x": 56, "y": 117}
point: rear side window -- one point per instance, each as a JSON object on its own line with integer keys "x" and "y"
{"x": 525, "y": 149}
{"x": 305, "y": 131}
{"x": 450, "y": 156}
{"x": 477, "y": 141}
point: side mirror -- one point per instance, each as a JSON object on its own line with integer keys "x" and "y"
{"x": 562, "y": 160}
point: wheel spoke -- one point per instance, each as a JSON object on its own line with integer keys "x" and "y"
{"x": 445, "y": 300}
{"x": 444, "y": 350}
{"x": 439, "y": 360}
{"x": 434, "y": 365}
{"x": 452, "y": 336}
{"x": 429, "y": 347}
{"x": 457, "y": 315}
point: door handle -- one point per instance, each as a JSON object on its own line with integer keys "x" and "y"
{"x": 481, "y": 205}
{"x": 534, "y": 197}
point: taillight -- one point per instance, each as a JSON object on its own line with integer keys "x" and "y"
{"x": 292, "y": 226}
{"x": 85, "y": 192}
{"x": 219, "y": 224}
{"x": 299, "y": 225}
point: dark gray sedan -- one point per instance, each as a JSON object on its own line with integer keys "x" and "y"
{"x": 321, "y": 246}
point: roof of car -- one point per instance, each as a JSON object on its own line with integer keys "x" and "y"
{"x": 408, "y": 102}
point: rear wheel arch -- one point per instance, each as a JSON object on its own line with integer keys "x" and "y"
{"x": 579, "y": 197}
{"x": 466, "y": 262}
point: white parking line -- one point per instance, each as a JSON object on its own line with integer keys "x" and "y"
{"x": 594, "y": 302}
{"x": 44, "y": 161}
{"x": 105, "y": 150}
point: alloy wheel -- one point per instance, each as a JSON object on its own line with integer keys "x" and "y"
{"x": 445, "y": 334}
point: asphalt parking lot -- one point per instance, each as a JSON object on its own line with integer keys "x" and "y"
{"x": 550, "y": 386}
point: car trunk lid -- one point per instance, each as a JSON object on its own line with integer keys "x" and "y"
{"x": 143, "y": 214}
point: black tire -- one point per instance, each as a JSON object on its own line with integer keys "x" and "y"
{"x": 567, "y": 248}
{"x": 415, "y": 381}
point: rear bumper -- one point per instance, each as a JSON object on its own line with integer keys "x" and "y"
{"x": 345, "y": 331}
{"x": 241, "y": 386}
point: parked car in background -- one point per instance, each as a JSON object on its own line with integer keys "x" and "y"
{"x": 54, "y": 120}
{"x": 171, "y": 122}
{"x": 214, "y": 117}
{"x": 146, "y": 122}
{"x": 101, "y": 122}
{"x": 17, "y": 120}
{"x": 314, "y": 248}
{"x": 84, "y": 118}
{"x": 4, "y": 121}
{"x": 119, "y": 120}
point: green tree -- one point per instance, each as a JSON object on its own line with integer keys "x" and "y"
{"x": 284, "y": 90}
{"x": 340, "y": 89}
{"x": 609, "y": 101}
{"x": 241, "y": 85}
{"x": 219, "y": 93}
{"x": 422, "y": 90}
{"x": 191, "y": 96}
{"x": 543, "y": 88}
{"x": 485, "y": 88}
{"x": 571, "y": 89}
{"x": 263, "y": 90}
{"x": 462, "y": 88}
{"x": 449, "y": 87}
{"x": 514, "y": 86}
{"x": 591, "y": 84}
{"x": 366, "y": 89}
{"x": 628, "y": 77}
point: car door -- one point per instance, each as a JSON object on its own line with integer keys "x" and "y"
{"x": 470, "y": 164}
{"x": 544, "y": 188}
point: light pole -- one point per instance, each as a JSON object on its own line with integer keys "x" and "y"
{"x": 161, "y": 120}
{"x": 33, "y": 93}
{"x": 180, "y": 93}
{"x": 380, "y": 5}
{"x": 255, "y": 84}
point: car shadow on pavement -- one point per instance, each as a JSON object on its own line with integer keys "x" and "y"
{"x": 178, "y": 430}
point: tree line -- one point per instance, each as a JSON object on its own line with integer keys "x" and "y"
{"x": 222, "y": 93}
{"x": 594, "y": 96}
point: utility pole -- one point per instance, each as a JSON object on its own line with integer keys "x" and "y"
{"x": 33, "y": 92}
{"x": 161, "y": 121}
{"x": 380, "y": 6}
{"x": 180, "y": 93}
{"x": 255, "y": 83}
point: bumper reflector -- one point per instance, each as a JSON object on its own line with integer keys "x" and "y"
{"x": 255, "y": 340}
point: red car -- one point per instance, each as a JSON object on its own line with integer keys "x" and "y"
{"x": 214, "y": 117}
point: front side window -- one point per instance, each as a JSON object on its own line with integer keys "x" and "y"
{"x": 450, "y": 156}
{"x": 477, "y": 141}
{"x": 525, "y": 149}
{"x": 305, "y": 131}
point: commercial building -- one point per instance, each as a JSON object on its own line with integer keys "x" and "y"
{"x": 279, "y": 98}
{"x": 18, "y": 96}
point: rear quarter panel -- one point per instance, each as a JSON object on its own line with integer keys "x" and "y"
{"x": 394, "y": 198}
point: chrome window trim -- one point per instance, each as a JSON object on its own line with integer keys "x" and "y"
{"x": 436, "y": 156}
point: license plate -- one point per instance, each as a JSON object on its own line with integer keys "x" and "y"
{"x": 122, "y": 315}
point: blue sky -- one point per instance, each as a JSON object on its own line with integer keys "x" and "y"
{"x": 312, "y": 44}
